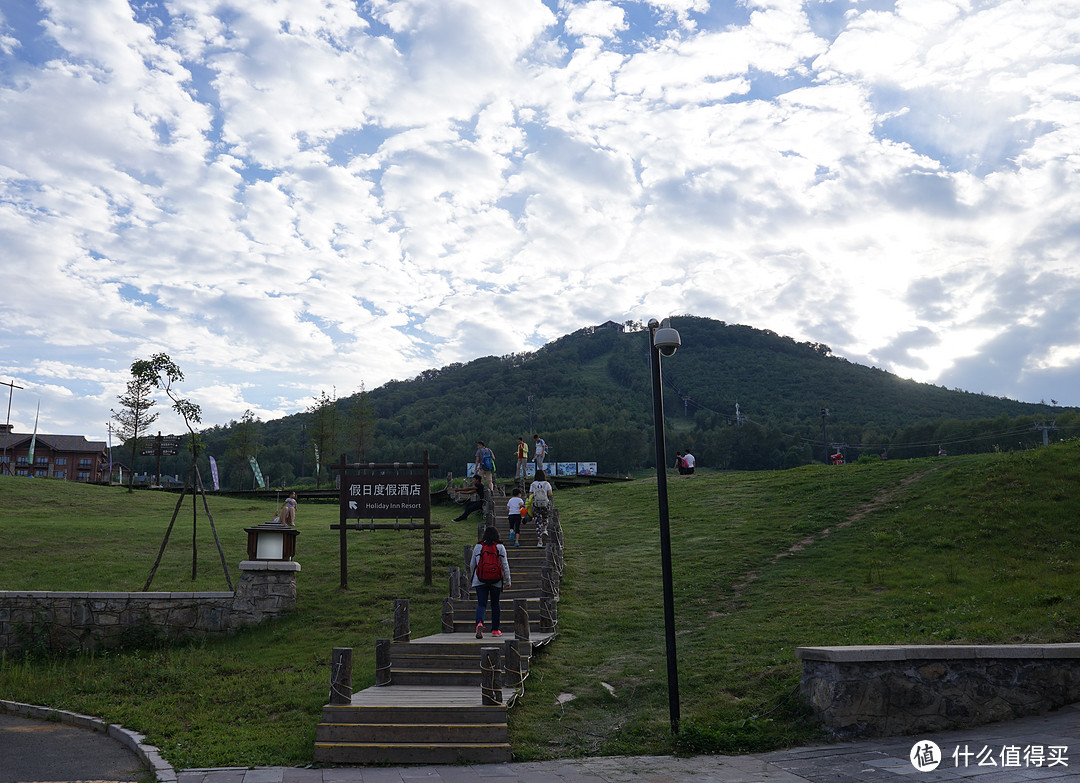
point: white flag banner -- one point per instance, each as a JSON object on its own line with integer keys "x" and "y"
{"x": 33, "y": 440}
{"x": 214, "y": 474}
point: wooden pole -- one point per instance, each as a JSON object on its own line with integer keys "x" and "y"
{"x": 341, "y": 676}
{"x": 194, "y": 520}
{"x": 343, "y": 499}
{"x": 382, "y": 661}
{"x": 168, "y": 531}
{"x": 402, "y": 630}
{"x": 213, "y": 527}
{"x": 425, "y": 488}
{"x": 490, "y": 676}
{"x": 448, "y": 615}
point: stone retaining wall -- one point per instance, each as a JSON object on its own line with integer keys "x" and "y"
{"x": 898, "y": 690}
{"x": 54, "y": 621}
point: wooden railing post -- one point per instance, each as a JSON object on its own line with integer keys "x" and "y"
{"x": 521, "y": 619}
{"x": 448, "y": 615}
{"x": 402, "y": 631}
{"x": 341, "y": 676}
{"x": 489, "y": 508}
{"x": 549, "y": 614}
{"x": 382, "y": 661}
{"x": 490, "y": 676}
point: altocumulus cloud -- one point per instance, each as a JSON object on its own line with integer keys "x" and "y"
{"x": 291, "y": 197}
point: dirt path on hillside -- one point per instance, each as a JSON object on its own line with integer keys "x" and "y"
{"x": 883, "y": 497}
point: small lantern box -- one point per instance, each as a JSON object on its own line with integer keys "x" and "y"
{"x": 271, "y": 541}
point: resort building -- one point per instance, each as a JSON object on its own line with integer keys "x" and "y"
{"x": 66, "y": 457}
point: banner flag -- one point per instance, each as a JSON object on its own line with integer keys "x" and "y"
{"x": 258, "y": 473}
{"x": 33, "y": 440}
{"x": 316, "y": 445}
{"x": 214, "y": 474}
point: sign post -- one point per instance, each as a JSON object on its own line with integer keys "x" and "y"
{"x": 164, "y": 446}
{"x": 392, "y": 490}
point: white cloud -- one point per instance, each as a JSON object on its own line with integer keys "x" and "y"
{"x": 369, "y": 191}
{"x": 595, "y": 18}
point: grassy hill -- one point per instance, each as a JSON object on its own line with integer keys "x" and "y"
{"x": 589, "y": 395}
{"x": 979, "y": 549}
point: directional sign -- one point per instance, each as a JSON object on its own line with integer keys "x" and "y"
{"x": 401, "y": 496}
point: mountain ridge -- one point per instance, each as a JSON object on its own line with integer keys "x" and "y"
{"x": 588, "y": 394}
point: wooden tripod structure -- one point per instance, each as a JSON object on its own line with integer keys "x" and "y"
{"x": 194, "y": 482}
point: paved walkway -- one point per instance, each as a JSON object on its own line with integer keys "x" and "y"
{"x": 878, "y": 761}
{"x": 1046, "y": 748}
{"x": 881, "y": 761}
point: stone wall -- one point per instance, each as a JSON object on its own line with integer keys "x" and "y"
{"x": 898, "y": 690}
{"x": 53, "y": 621}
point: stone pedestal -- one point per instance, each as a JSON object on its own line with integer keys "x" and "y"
{"x": 267, "y": 589}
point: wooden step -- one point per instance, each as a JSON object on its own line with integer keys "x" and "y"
{"x": 468, "y": 626}
{"x": 425, "y": 733}
{"x": 360, "y": 753}
{"x": 413, "y": 725}
{"x": 436, "y": 678}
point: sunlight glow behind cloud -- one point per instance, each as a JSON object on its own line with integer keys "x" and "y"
{"x": 291, "y": 197}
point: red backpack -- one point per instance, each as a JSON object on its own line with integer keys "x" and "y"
{"x": 489, "y": 565}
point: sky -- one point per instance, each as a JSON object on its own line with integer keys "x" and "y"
{"x": 293, "y": 197}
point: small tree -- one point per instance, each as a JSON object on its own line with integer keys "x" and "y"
{"x": 359, "y": 422}
{"x": 134, "y": 417}
{"x": 324, "y": 427}
{"x": 162, "y": 372}
{"x": 243, "y": 443}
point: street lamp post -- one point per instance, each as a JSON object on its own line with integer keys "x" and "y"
{"x": 665, "y": 340}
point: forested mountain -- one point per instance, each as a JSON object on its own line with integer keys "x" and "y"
{"x": 589, "y": 395}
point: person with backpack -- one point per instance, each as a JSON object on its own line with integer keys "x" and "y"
{"x": 491, "y": 573}
{"x": 542, "y": 502}
{"x": 541, "y": 451}
{"x": 485, "y": 464}
{"x": 515, "y": 511}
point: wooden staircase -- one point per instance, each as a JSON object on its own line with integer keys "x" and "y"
{"x": 443, "y": 699}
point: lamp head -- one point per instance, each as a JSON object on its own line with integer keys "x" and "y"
{"x": 666, "y": 340}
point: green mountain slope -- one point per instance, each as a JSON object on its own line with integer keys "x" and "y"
{"x": 589, "y": 395}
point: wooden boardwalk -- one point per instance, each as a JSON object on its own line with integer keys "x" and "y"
{"x": 442, "y": 699}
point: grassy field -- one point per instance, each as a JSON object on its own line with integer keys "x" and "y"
{"x": 979, "y": 549}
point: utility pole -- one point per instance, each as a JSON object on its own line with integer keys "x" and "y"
{"x": 685, "y": 403}
{"x": 531, "y": 430}
{"x": 303, "y": 432}
{"x": 1045, "y": 428}
{"x": 7, "y": 425}
{"x": 824, "y": 437}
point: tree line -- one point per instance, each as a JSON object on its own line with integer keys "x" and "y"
{"x": 588, "y": 394}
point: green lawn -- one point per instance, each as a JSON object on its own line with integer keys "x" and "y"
{"x": 977, "y": 549}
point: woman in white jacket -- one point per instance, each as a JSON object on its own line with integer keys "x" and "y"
{"x": 489, "y": 587}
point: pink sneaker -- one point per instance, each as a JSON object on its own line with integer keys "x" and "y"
{"x": 496, "y": 633}
{"x": 479, "y": 630}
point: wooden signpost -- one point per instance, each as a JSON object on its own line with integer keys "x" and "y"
{"x": 384, "y": 490}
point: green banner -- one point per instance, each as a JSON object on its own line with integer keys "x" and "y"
{"x": 258, "y": 473}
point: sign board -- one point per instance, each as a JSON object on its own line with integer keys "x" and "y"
{"x": 401, "y": 496}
